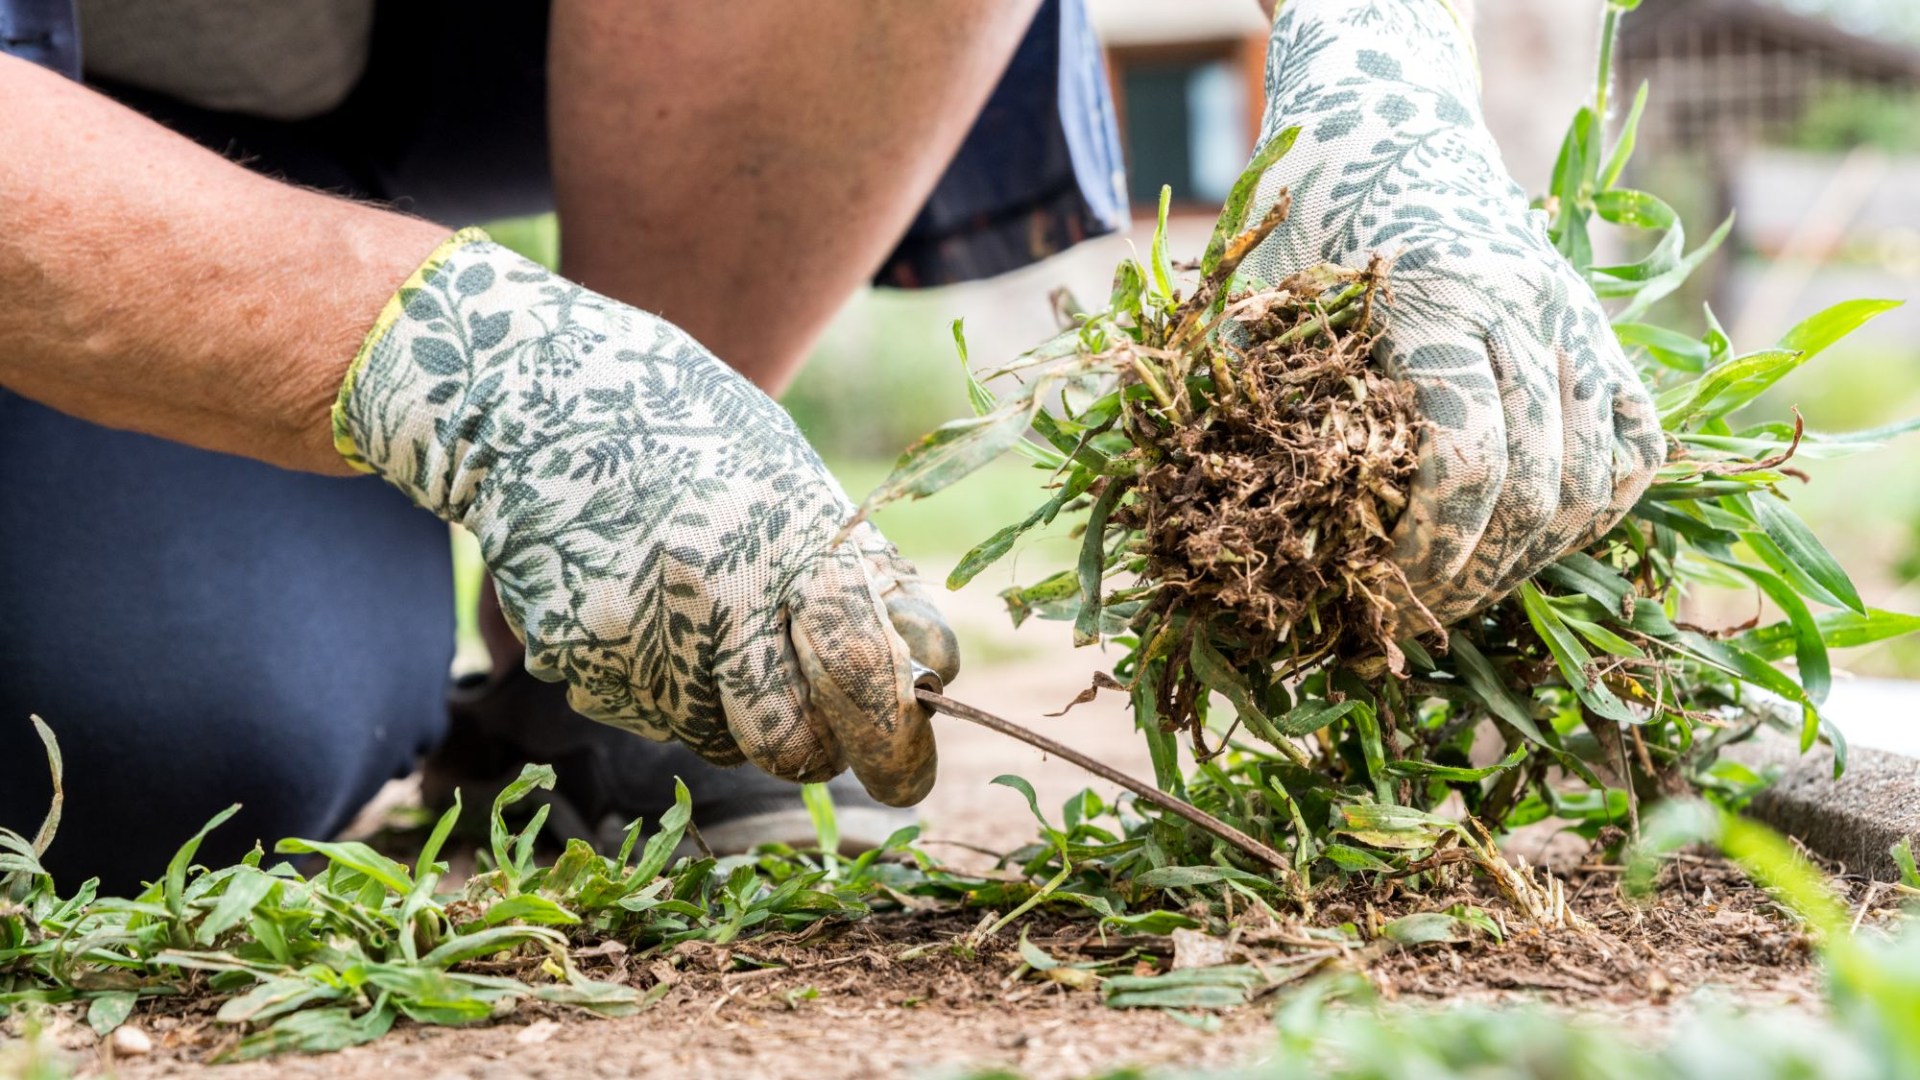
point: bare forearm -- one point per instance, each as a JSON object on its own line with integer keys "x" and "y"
{"x": 742, "y": 168}
{"x": 154, "y": 286}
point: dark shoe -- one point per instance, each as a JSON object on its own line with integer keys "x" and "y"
{"x": 608, "y": 777}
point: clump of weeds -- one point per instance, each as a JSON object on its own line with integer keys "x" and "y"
{"x": 1233, "y": 463}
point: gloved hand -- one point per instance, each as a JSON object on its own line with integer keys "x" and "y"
{"x": 657, "y": 528}
{"x": 1539, "y": 434}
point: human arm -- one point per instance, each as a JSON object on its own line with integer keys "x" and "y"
{"x": 691, "y": 591}
{"x": 789, "y": 145}
{"x": 154, "y": 286}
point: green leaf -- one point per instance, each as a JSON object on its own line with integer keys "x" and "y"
{"x": 1243, "y": 976}
{"x": 109, "y": 1010}
{"x": 659, "y": 847}
{"x": 244, "y": 890}
{"x": 820, "y": 814}
{"x": 1129, "y": 281}
{"x": 1570, "y": 175}
{"x": 951, "y": 452}
{"x": 530, "y": 778}
{"x": 1727, "y": 387}
{"x": 442, "y": 829}
{"x": 1019, "y": 784}
{"x": 1157, "y": 262}
{"x": 1634, "y": 209}
{"x": 316, "y": 1031}
{"x": 1822, "y": 444}
{"x": 493, "y": 939}
{"x": 1817, "y": 331}
{"x": 1455, "y": 774}
{"x": 994, "y": 547}
{"x": 1353, "y": 859}
{"x": 1034, "y": 956}
{"x": 1366, "y": 728}
{"x": 1222, "y": 986}
{"x": 1151, "y": 922}
{"x": 1668, "y": 347}
{"x": 603, "y": 998}
{"x": 1600, "y": 637}
{"x": 174, "y": 889}
{"x": 354, "y": 856}
{"x": 1179, "y": 997}
{"x": 1233, "y": 214}
{"x": 1733, "y": 658}
{"x": 1093, "y": 564}
{"x": 1186, "y": 877}
{"x": 1221, "y": 677}
{"x": 275, "y": 997}
{"x": 978, "y": 395}
{"x": 1391, "y": 827}
{"x": 1838, "y": 629}
{"x": 1581, "y": 573}
{"x": 1737, "y": 382}
{"x": 1162, "y": 747}
{"x": 1312, "y": 715}
{"x": 1571, "y": 657}
{"x": 1628, "y": 279}
{"x": 1493, "y": 692}
{"x": 56, "y": 769}
{"x": 1804, "y": 550}
{"x": 1426, "y": 928}
{"x": 528, "y": 908}
{"x": 1054, "y": 596}
{"x": 1659, "y": 286}
{"x": 1902, "y": 853}
{"x": 1629, "y": 134}
{"x": 1810, "y": 653}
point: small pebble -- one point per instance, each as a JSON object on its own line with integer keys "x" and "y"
{"x": 536, "y": 1033}
{"x": 130, "y": 1041}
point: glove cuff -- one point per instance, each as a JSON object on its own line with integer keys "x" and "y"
{"x": 1425, "y": 13}
{"x": 343, "y": 440}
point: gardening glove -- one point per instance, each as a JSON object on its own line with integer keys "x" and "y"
{"x": 1539, "y": 435}
{"x": 658, "y": 529}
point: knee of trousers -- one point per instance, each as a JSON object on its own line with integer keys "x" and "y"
{"x": 201, "y": 630}
{"x": 142, "y": 776}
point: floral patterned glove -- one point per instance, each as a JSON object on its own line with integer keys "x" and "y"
{"x": 657, "y": 528}
{"x": 1540, "y": 434}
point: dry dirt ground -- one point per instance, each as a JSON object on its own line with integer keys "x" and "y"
{"x": 874, "y": 1000}
{"x": 870, "y": 1000}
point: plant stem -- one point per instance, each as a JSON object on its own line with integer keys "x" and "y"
{"x": 943, "y": 704}
{"x": 1609, "y": 25}
{"x": 1340, "y": 316}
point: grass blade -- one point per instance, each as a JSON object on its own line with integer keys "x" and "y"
{"x": 1804, "y": 550}
{"x": 174, "y": 887}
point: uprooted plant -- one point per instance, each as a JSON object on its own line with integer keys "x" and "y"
{"x": 1234, "y": 463}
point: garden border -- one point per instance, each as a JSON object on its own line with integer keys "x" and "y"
{"x": 1854, "y": 820}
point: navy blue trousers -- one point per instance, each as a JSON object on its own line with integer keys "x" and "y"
{"x": 201, "y": 629}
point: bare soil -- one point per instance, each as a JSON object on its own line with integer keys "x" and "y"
{"x": 893, "y": 996}
{"x": 870, "y": 999}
